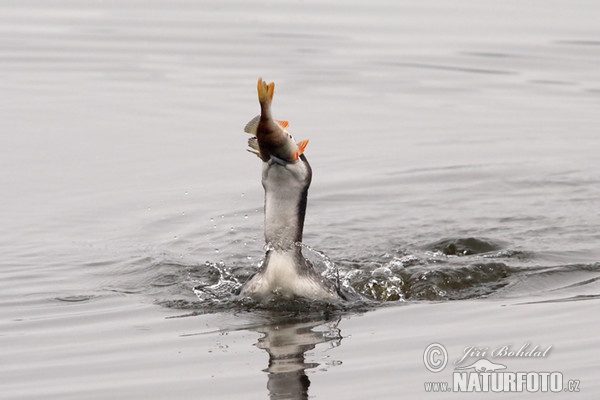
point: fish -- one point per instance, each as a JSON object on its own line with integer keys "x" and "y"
{"x": 270, "y": 140}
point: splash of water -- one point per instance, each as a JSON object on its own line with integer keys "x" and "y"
{"x": 392, "y": 277}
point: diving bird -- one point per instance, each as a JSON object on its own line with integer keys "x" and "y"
{"x": 286, "y": 177}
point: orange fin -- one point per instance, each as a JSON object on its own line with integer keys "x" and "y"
{"x": 301, "y": 146}
{"x": 263, "y": 91}
{"x": 283, "y": 124}
{"x": 271, "y": 88}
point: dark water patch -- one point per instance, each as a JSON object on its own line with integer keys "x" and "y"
{"x": 464, "y": 246}
{"x": 473, "y": 281}
{"x": 431, "y": 283}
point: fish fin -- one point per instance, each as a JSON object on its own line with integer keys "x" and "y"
{"x": 256, "y": 153}
{"x": 261, "y": 87}
{"x": 253, "y": 143}
{"x": 252, "y": 125}
{"x": 271, "y": 88}
{"x": 254, "y": 149}
{"x": 283, "y": 124}
{"x": 302, "y": 145}
{"x": 265, "y": 92}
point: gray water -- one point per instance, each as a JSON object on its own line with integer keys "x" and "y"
{"x": 454, "y": 148}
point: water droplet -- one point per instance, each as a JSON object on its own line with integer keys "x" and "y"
{"x": 245, "y": 216}
{"x": 216, "y": 250}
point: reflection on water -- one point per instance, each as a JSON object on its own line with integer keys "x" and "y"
{"x": 287, "y": 344}
{"x": 289, "y": 339}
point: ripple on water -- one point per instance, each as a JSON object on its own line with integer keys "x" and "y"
{"x": 445, "y": 270}
{"x": 76, "y": 298}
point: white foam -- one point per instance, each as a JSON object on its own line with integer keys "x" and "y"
{"x": 281, "y": 277}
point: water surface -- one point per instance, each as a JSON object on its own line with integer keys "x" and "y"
{"x": 454, "y": 150}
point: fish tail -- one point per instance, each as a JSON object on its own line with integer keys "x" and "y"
{"x": 265, "y": 91}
